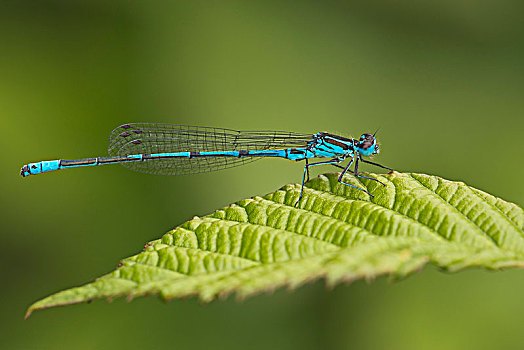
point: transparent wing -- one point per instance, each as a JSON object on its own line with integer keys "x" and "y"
{"x": 147, "y": 138}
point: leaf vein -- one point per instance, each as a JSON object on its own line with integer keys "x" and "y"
{"x": 458, "y": 211}
{"x": 513, "y": 223}
{"x": 409, "y": 219}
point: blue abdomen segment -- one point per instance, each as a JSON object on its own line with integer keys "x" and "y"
{"x": 51, "y": 165}
{"x": 40, "y": 167}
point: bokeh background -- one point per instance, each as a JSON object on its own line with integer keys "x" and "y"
{"x": 444, "y": 80}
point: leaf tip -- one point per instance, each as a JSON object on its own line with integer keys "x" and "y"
{"x": 28, "y": 313}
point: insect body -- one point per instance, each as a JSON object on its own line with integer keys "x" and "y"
{"x": 168, "y": 149}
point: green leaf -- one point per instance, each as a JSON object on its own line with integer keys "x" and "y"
{"x": 337, "y": 233}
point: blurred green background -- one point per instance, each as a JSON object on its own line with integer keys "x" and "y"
{"x": 443, "y": 79}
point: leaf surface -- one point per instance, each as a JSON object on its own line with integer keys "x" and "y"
{"x": 336, "y": 232}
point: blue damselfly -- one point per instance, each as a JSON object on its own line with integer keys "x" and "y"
{"x": 168, "y": 149}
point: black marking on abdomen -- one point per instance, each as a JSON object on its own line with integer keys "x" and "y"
{"x": 105, "y": 160}
{"x": 125, "y": 126}
{"x": 136, "y": 142}
{"x": 125, "y": 134}
{"x": 137, "y": 131}
{"x": 78, "y": 162}
{"x": 108, "y": 160}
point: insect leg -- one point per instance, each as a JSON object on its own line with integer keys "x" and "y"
{"x": 376, "y": 164}
{"x": 339, "y": 166}
{"x": 306, "y": 170}
{"x": 350, "y": 185}
{"x": 365, "y": 177}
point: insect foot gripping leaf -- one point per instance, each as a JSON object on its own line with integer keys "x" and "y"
{"x": 336, "y": 232}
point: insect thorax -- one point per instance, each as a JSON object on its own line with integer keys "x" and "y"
{"x": 329, "y": 145}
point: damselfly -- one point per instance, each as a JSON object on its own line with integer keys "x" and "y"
{"x": 168, "y": 149}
